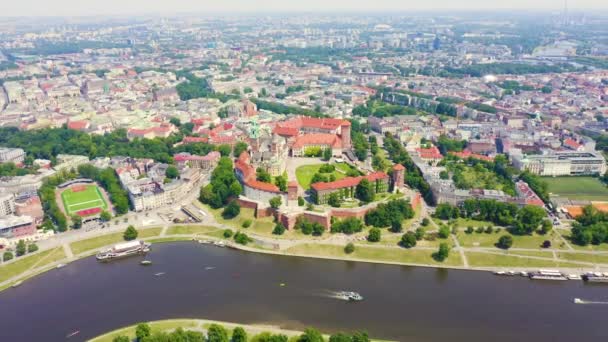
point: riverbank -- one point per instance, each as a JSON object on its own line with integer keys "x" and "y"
{"x": 200, "y": 325}
{"x": 479, "y": 258}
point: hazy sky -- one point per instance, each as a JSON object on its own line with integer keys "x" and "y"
{"x": 93, "y": 7}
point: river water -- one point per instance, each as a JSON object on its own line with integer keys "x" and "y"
{"x": 401, "y": 303}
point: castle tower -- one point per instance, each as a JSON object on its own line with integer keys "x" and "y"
{"x": 398, "y": 176}
{"x": 345, "y": 134}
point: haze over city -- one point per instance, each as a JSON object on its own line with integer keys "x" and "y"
{"x": 76, "y": 8}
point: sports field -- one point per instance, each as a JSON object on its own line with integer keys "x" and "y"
{"x": 578, "y": 188}
{"x": 89, "y": 198}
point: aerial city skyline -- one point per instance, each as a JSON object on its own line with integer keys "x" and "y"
{"x": 303, "y": 171}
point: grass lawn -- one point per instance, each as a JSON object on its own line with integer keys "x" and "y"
{"x": 168, "y": 239}
{"x": 464, "y": 223}
{"x": 87, "y": 199}
{"x": 109, "y": 239}
{"x": 526, "y": 241}
{"x": 397, "y": 255}
{"x": 190, "y": 230}
{"x": 478, "y": 259}
{"x": 578, "y": 188}
{"x": 304, "y": 174}
{"x": 25, "y": 263}
{"x": 584, "y": 257}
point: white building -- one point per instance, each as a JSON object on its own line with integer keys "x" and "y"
{"x": 14, "y": 155}
{"x": 562, "y": 163}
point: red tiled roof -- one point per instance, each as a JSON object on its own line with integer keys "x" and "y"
{"x": 309, "y": 122}
{"x": 188, "y": 140}
{"x": 572, "y": 144}
{"x": 249, "y": 175}
{"x": 348, "y": 182}
{"x": 286, "y": 131}
{"x": 78, "y": 125}
{"x": 318, "y": 139}
{"x": 429, "y": 153}
{"x": 466, "y": 154}
{"x": 398, "y": 167}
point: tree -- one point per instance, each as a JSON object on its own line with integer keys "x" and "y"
{"x": 349, "y": 225}
{"x": 425, "y": 222}
{"x": 228, "y": 233}
{"x": 408, "y": 240}
{"x": 361, "y": 337}
{"x": 419, "y": 233}
{"x": 247, "y": 223}
{"x": 76, "y": 221}
{"x": 238, "y": 335}
{"x": 339, "y": 337}
{"x": 217, "y": 333}
{"x": 171, "y": 172}
{"x": 21, "y": 248}
{"x": 281, "y": 183}
{"x": 546, "y": 226}
{"x": 334, "y": 200}
{"x": 469, "y": 230}
{"x": 241, "y": 238}
{"x": 239, "y": 148}
{"x": 528, "y": 219}
{"x": 374, "y": 235}
{"x": 7, "y": 256}
{"x": 444, "y": 231}
{"x": 105, "y": 216}
{"x": 175, "y": 121}
{"x": 364, "y": 191}
{"x": 142, "y": 331}
{"x": 327, "y": 154}
{"x": 311, "y": 335}
{"x": 231, "y": 211}
{"x": 121, "y": 338}
{"x": 443, "y": 252}
{"x": 300, "y": 201}
{"x": 349, "y": 248}
{"x": 275, "y": 202}
{"x": 279, "y": 229}
{"x": 262, "y": 176}
{"x": 31, "y": 248}
{"x": 396, "y": 226}
{"x": 130, "y": 234}
{"x": 546, "y": 244}
{"x": 489, "y": 230}
{"x": 224, "y": 150}
{"x": 505, "y": 242}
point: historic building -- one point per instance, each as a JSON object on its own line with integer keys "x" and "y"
{"x": 345, "y": 187}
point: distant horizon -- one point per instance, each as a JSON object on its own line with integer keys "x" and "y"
{"x": 73, "y": 8}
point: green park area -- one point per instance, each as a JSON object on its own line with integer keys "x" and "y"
{"x": 88, "y": 198}
{"x": 25, "y": 263}
{"x": 95, "y": 243}
{"x": 479, "y": 259}
{"x": 376, "y": 254}
{"x": 305, "y": 173}
{"x": 577, "y": 188}
{"x": 486, "y": 240}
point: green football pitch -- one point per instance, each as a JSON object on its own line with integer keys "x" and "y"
{"x": 81, "y": 200}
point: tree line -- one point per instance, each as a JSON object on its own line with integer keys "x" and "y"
{"x": 218, "y": 333}
{"x": 413, "y": 176}
{"x": 521, "y": 221}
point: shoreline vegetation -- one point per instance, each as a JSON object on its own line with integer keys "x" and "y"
{"x": 480, "y": 255}
{"x": 202, "y": 325}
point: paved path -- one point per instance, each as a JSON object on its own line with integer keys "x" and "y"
{"x": 68, "y": 251}
{"x": 164, "y": 231}
{"x": 463, "y": 256}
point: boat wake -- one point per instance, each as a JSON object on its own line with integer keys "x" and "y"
{"x": 339, "y": 295}
{"x": 580, "y": 301}
{"x": 159, "y": 274}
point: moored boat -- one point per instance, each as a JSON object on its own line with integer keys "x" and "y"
{"x": 596, "y": 277}
{"x": 145, "y": 262}
{"x": 547, "y": 275}
{"x": 124, "y": 250}
{"x": 573, "y": 277}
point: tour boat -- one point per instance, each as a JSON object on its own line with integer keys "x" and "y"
{"x": 123, "y": 250}
{"x": 145, "y": 262}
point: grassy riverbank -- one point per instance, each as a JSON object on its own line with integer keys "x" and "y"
{"x": 201, "y": 325}
{"x": 25, "y": 263}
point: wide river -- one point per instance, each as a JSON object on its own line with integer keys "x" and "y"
{"x": 401, "y": 303}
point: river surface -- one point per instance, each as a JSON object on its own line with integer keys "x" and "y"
{"x": 401, "y": 303}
